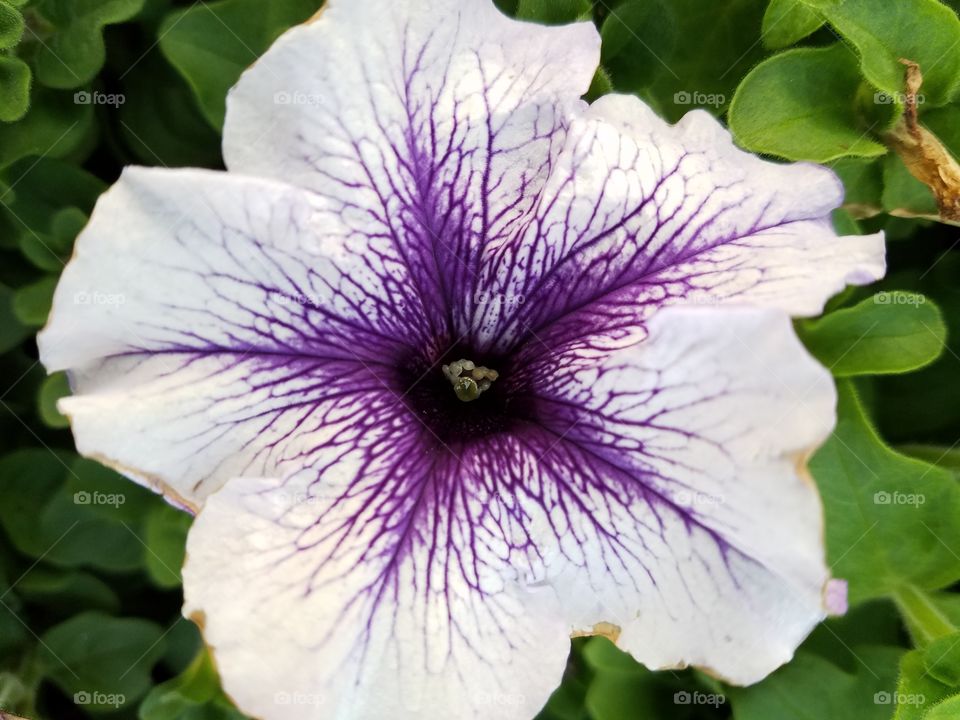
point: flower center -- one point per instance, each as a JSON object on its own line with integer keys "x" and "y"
{"x": 468, "y": 379}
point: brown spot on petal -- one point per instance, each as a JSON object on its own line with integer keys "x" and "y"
{"x": 603, "y": 629}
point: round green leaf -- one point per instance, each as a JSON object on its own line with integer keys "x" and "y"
{"x": 102, "y": 662}
{"x": 14, "y": 88}
{"x": 788, "y": 21}
{"x": 891, "y": 332}
{"x": 801, "y": 105}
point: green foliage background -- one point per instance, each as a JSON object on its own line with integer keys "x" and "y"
{"x": 89, "y": 562}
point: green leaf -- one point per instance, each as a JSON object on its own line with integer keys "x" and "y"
{"x": 11, "y": 25}
{"x": 947, "y": 710}
{"x": 787, "y": 22}
{"x": 812, "y": 687}
{"x": 67, "y": 590}
{"x": 903, "y": 194}
{"x": 166, "y": 127}
{"x": 12, "y": 331}
{"x": 634, "y": 61}
{"x": 53, "y": 388}
{"x": 165, "y": 537}
{"x": 103, "y": 662}
{"x": 890, "y": 519}
{"x": 14, "y": 88}
{"x": 212, "y": 44}
{"x": 194, "y": 695}
{"x": 945, "y": 457}
{"x": 883, "y": 32}
{"x": 648, "y": 50}
{"x": 863, "y": 183}
{"x": 917, "y": 690}
{"x": 53, "y": 127}
{"x": 554, "y": 12}
{"x": 891, "y": 332}
{"x": 73, "y": 51}
{"x": 801, "y": 105}
{"x": 31, "y": 303}
{"x": 942, "y": 659}
{"x": 29, "y": 479}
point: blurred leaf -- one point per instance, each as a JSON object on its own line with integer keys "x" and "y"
{"x": 634, "y": 61}
{"x": 12, "y": 331}
{"x": 924, "y": 31}
{"x": 800, "y": 105}
{"x": 53, "y": 388}
{"x": 67, "y": 590}
{"x": 31, "y": 303}
{"x": 554, "y": 12}
{"x": 165, "y": 535}
{"x": 72, "y": 51}
{"x": 917, "y": 690}
{"x": 947, "y": 710}
{"x": 811, "y": 687}
{"x": 213, "y": 43}
{"x": 102, "y": 661}
{"x": 54, "y": 126}
{"x": 890, "y": 519}
{"x": 14, "y": 88}
{"x": 194, "y": 695}
{"x": 787, "y": 22}
{"x": 165, "y": 127}
{"x": 942, "y": 659}
{"x": 108, "y": 494}
{"x": 183, "y": 643}
{"x": 945, "y": 457}
{"x": 903, "y": 194}
{"x": 29, "y": 479}
{"x": 11, "y": 25}
{"x": 863, "y": 183}
{"x": 891, "y": 332}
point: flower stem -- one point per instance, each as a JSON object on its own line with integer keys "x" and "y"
{"x": 924, "y": 619}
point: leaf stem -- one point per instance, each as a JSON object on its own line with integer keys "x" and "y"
{"x": 924, "y": 619}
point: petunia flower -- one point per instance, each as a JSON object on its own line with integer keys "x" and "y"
{"x": 451, "y": 366}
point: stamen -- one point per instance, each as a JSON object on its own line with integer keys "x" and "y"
{"x": 468, "y": 380}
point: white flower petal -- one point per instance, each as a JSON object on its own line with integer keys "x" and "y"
{"x": 213, "y": 324}
{"x": 376, "y": 586}
{"x": 678, "y": 506}
{"x": 638, "y": 214}
{"x": 434, "y": 124}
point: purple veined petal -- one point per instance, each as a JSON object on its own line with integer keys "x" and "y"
{"x": 638, "y": 214}
{"x": 672, "y": 499}
{"x": 378, "y": 585}
{"x": 213, "y": 324}
{"x": 434, "y": 124}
